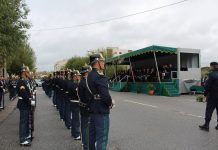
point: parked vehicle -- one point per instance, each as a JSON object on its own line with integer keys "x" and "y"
{"x": 38, "y": 82}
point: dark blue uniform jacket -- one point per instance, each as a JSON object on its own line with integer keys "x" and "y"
{"x": 24, "y": 95}
{"x": 211, "y": 86}
{"x": 84, "y": 96}
{"x": 98, "y": 84}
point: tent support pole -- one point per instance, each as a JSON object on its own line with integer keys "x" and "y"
{"x": 131, "y": 70}
{"x": 115, "y": 72}
{"x": 158, "y": 73}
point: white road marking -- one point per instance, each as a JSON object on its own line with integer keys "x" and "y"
{"x": 141, "y": 104}
{"x": 194, "y": 116}
{"x": 153, "y": 106}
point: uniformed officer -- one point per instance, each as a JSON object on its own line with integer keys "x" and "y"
{"x": 54, "y": 88}
{"x": 2, "y": 90}
{"x": 58, "y": 90}
{"x": 101, "y": 102}
{"x": 211, "y": 93}
{"x": 24, "y": 105}
{"x": 75, "y": 110}
{"x": 85, "y": 98}
{"x": 12, "y": 87}
{"x": 61, "y": 94}
{"x": 67, "y": 112}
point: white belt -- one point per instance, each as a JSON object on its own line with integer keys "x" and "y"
{"x": 74, "y": 101}
{"x": 20, "y": 98}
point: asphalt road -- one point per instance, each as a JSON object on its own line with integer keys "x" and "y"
{"x": 138, "y": 122}
{"x": 142, "y": 122}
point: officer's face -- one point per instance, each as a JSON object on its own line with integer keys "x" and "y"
{"x": 102, "y": 64}
{"x": 78, "y": 77}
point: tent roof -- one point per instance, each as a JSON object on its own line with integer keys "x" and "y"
{"x": 141, "y": 51}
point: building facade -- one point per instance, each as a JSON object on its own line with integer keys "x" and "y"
{"x": 60, "y": 64}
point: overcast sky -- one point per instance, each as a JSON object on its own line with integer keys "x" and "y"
{"x": 192, "y": 24}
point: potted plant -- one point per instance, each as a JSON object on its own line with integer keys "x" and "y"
{"x": 200, "y": 98}
{"x": 151, "y": 89}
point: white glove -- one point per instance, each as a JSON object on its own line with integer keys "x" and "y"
{"x": 113, "y": 104}
{"x": 33, "y": 103}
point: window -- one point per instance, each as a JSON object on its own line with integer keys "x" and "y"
{"x": 189, "y": 60}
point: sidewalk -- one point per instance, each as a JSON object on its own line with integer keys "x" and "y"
{"x": 9, "y": 107}
{"x": 50, "y": 132}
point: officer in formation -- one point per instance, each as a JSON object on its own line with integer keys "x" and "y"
{"x": 2, "y": 90}
{"x": 12, "y": 87}
{"x": 84, "y": 104}
{"x": 75, "y": 109}
{"x": 47, "y": 85}
{"x": 100, "y": 104}
{"x": 85, "y": 99}
{"x": 25, "y": 91}
{"x": 211, "y": 93}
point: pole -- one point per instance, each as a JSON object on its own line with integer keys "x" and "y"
{"x": 131, "y": 70}
{"x": 158, "y": 73}
{"x": 114, "y": 73}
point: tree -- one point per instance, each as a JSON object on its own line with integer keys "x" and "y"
{"x": 24, "y": 54}
{"x": 76, "y": 62}
{"x": 13, "y": 26}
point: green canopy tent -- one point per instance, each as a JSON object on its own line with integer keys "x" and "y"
{"x": 150, "y": 49}
{"x": 127, "y": 57}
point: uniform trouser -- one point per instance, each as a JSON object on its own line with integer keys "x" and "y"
{"x": 67, "y": 114}
{"x": 85, "y": 131}
{"x": 61, "y": 106}
{"x": 12, "y": 93}
{"x": 58, "y": 99}
{"x": 1, "y": 95}
{"x": 211, "y": 105}
{"x": 24, "y": 125}
{"x": 98, "y": 131}
{"x": 75, "y": 122}
{"x": 49, "y": 92}
{"x": 65, "y": 99}
{"x": 54, "y": 98}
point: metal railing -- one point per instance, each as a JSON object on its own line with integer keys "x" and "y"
{"x": 125, "y": 77}
{"x": 115, "y": 79}
{"x": 174, "y": 73}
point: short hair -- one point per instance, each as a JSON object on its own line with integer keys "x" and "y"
{"x": 213, "y": 64}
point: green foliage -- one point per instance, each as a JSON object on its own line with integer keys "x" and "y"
{"x": 150, "y": 87}
{"x": 24, "y": 54}
{"x": 205, "y": 71}
{"x": 13, "y": 26}
{"x": 76, "y": 62}
{"x": 200, "y": 98}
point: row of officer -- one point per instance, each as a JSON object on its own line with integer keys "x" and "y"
{"x": 83, "y": 100}
{"x": 65, "y": 99}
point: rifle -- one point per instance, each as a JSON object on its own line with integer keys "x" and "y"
{"x": 31, "y": 119}
{"x": 31, "y": 116}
